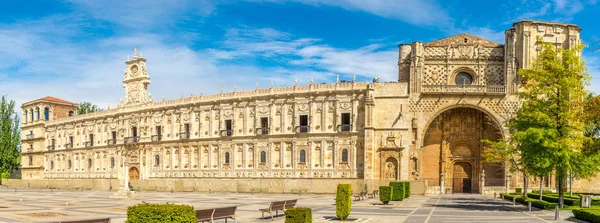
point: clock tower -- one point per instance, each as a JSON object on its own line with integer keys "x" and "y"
{"x": 135, "y": 82}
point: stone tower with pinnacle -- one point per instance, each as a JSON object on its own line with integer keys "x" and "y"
{"x": 135, "y": 82}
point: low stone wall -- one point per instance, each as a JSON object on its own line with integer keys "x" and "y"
{"x": 260, "y": 185}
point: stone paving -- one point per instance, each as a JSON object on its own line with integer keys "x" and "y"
{"x": 35, "y": 205}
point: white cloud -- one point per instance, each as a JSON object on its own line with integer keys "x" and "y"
{"x": 416, "y": 12}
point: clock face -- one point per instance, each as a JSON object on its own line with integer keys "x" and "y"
{"x": 134, "y": 70}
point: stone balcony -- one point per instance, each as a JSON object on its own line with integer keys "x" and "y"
{"x": 464, "y": 89}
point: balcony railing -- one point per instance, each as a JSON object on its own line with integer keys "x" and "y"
{"x": 111, "y": 141}
{"x": 226, "y": 133}
{"x": 345, "y": 128}
{"x": 29, "y": 136}
{"x": 89, "y": 144}
{"x": 302, "y": 129}
{"x": 464, "y": 89}
{"x": 69, "y": 146}
{"x": 156, "y": 138}
{"x": 184, "y": 135}
{"x": 132, "y": 139}
{"x": 262, "y": 131}
{"x": 50, "y": 147}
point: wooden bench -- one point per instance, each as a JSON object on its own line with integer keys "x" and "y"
{"x": 275, "y": 206}
{"x": 360, "y": 196}
{"x": 289, "y": 204}
{"x": 213, "y": 214}
{"x": 374, "y": 194}
{"x": 99, "y": 220}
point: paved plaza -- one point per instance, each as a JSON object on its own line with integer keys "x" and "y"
{"x": 35, "y": 205}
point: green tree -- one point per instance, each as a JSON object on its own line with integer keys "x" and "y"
{"x": 548, "y": 128}
{"x": 87, "y": 107}
{"x": 10, "y": 137}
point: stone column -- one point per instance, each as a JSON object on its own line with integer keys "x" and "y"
{"x": 482, "y": 182}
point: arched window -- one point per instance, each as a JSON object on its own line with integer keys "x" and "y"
{"x": 51, "y": 165}
{"x": 46, "y": 114}
{"x": 38, "y": 113}
{"x": 302, "y": 156}
{"x": 156, "y": 160}
{"x": 26, "y": 116}
{"x": 31, "y": 112}
{"x": 344, "y": 155}
{"x": 263, "y": 157}
{"x": 112, "y": 162}
{"x": 70, "y": 113}
{"x": 90, "y": 163}
{"x": 69, "y": 164}
{"x": 463, "y": 78}
{"x": 227, "y": 158}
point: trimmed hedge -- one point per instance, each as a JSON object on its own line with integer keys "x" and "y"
{"x": 385, "y": 194}
{"x": 570, "y": 201}
{"x": 519, "y": 190}
{"x": 397, "y": 191}
{"x": 298, "y": 215}
{"x": 343, "y": 201}
{"x": 155, "y": 213}
{"x": 4, "y": 175}
{"x": 406, "y": 189}
{"x": 592, "y": 216}
{"x": 535, "y": 203}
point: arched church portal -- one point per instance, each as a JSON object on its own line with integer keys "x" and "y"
{"x": 452, "y": 147}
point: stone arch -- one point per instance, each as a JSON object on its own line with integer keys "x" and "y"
{"x": 439, "y": 111}
{"x": 134, "y": 173}
{"x": 453, "y": 134}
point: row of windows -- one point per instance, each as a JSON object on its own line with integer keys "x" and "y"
{"x": 186, "y": 134}
{"x": 30, "y": 114}
{"x": 263, "y": 157}
{"x": 112, "y": 163}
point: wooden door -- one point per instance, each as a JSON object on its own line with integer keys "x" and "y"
{"x": 134, "y": 174}
{"x": 462, "y": 173}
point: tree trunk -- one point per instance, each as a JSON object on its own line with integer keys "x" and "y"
{"x": 541, "y": 189}
{"x": 525, "y": 183}
{"x": 561, "y": 194}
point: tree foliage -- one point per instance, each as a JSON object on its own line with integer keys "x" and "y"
{"x": 87, "y": 107}
{"x": 9, "y": 137}
{"x": 548, "y": 128}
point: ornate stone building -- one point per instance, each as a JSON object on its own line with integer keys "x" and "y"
{"x": 426, "y": 127}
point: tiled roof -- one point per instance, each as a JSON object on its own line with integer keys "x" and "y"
{"x": 53, "y": 99}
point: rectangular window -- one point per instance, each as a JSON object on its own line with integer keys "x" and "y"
{"x": 303, "y": 123}
{"x": 30, "y": 160}
{"x": 345, "y": 122}
{"x": 158, "y": 135}
{"x": 264, "y": 125}
{"x": 114, "y": 135}
{"x": 187, "y": 129}
{"x": 53, "y": 142}
{"x": 71, "y": 141}
{"x": 91, "y": 138}
{"x": 228, "y": 128}
{"x": 134, "y": 131}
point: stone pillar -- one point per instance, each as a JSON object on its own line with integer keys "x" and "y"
{"x": 482, "y": 182}
{"x": 507, "y": 182}
{"x": 442, "y": 183}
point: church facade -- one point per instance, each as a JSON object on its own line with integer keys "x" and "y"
{"x": 427, "y": 127}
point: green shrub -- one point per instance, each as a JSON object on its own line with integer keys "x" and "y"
{"x": 397, "y": 191}
{"x": 154, "y": 213}
{"x": 385, "y": 194}
{"x": 343, "y": 201}
{"x": 298, "y": 215}
{"x": 535, "y": 203}
{"x": 519, "y": 190}
{"x": 592, "y": 216}
{"x": 4, "y": 175}
{"x": 406, "y": 189}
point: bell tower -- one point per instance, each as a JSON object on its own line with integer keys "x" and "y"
{"x": 135, "y": 82}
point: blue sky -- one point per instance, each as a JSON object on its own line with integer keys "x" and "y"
{"x": 75, "y": 50}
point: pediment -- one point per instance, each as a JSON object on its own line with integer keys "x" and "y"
{"x": 463, "y": 39}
